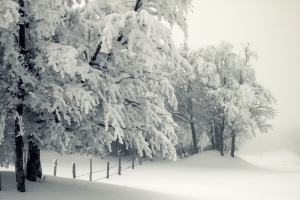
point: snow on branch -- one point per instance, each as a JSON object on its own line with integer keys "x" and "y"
{"x": 9, "y": 13}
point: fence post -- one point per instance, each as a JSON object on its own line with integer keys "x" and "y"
{"x": 107, "y": 176}
{"x": 120, "y": 155}
{"x": 74, "y": 170}
{"x": 55, "y": 166}
{"x": 91, "y": 169}
{"x": 133, "y": 158}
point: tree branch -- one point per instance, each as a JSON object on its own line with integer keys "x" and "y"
{"x": 137, "y": 5}
{"x": 95, "y": 54}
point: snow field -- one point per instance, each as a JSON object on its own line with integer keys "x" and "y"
{"x": 203, "y": 176}
{"x": 58, "y": 188}
{"x": 281, "y": 160}
{"x": 210, "y": 176}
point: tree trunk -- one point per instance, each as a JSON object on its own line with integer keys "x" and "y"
{"x": 144, "y": 152}
{"x": 222, "y": 137}
{"x": 19, "y": 144}
{"x": 195, "y": 148}
{"x": 192, "y": 149}
{"x": 190, "y": 102}
{"x": 213, "y": 145}
{"x": 20, "y": 178}
{"x": 232, "y": 144}
{"x": 34, "y": 168}
{"x": 217, "y": 139}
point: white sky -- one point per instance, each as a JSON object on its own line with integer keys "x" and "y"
{"x": 272, "y": 27}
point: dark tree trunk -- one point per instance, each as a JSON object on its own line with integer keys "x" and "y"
{"x": 217, "y": 139}
{"x": 191, "y": 149}
{"x": 190, "y": 108}
{"x": 232, "y": 144}
{"x": 181, "y": 150}
{"x": 222, "y": 137}
{"x": 195, "y": 148}
{"x": 213, "y": 146}
{"x": 20, "y": 178}
{"x": 19, "y": 144}
{"x": 144, "y": 152}
{"x": 125, "y": 150}
{"x": 34, "y": 168}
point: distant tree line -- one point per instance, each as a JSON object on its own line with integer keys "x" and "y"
{"x": 220, "y": 103}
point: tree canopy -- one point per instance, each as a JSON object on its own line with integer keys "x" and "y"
{"x": 221, "y": 96}
{"x": 76, "y": 79}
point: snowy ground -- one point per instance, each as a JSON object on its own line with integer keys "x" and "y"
{"x": 203, "y": 176}
{"x": 281, "y": 160}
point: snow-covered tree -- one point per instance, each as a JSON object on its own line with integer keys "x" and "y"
{"x": 238, "y": 97}
{"x": 223, "y": 96}
{"x": 91, "y": 75}
{"x": 191, "y": 93}
{"x": 204, "y": 141}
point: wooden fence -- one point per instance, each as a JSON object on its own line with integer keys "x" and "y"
{"x": 135, "y": 160}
